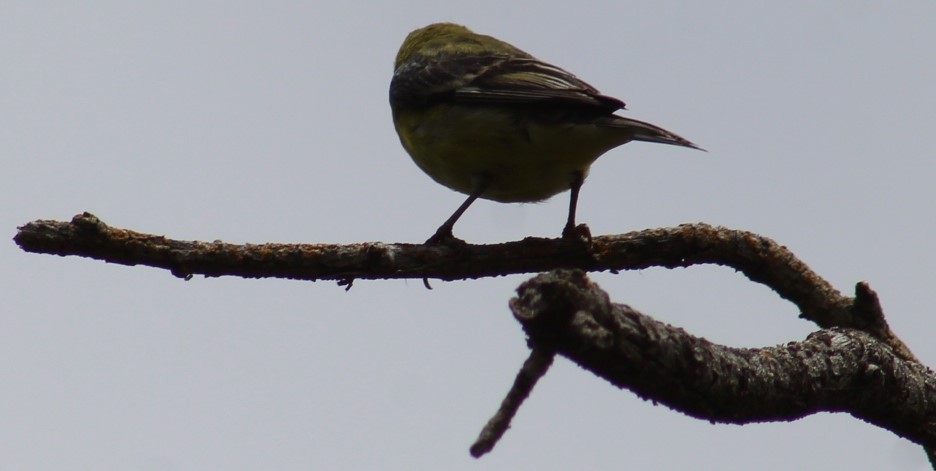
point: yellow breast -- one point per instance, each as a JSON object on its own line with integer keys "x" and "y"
{"x": 524, "y": 159}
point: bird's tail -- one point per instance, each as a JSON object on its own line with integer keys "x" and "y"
{"x": 647, "y": 132}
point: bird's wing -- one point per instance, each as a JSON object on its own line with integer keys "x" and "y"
{"x": 525, "y": 80}
{"x": 504, "y": 80}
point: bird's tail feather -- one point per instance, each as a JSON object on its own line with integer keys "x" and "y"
{"x": 647, "y": 132}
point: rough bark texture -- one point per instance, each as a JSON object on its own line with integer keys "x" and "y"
{"x": 759, "y": 258}
{"x": 833, "y": 370}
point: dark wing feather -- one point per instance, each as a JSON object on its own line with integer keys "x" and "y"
{"x": 525, "y": 80}
{"x": 423, "y": 80}
{"x": 493, "y": 80}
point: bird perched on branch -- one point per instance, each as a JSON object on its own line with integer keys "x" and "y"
{"x": 486, "y": 119}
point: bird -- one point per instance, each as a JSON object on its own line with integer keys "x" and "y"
{"x": 487, "y": 119}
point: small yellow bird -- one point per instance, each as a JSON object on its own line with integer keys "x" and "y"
{"x": 489, "y": 120}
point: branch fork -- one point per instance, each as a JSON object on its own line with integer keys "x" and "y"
{"x": 853, "y": 364}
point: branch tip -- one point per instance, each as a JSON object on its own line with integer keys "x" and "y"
{"x": 535, "y": 366}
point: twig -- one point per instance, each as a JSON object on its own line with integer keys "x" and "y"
{"x": 535, "y": 366}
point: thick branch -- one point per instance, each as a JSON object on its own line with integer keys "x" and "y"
{"x": 834, "y": 370}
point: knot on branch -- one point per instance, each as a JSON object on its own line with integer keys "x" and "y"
{"x": 548, "y": 303}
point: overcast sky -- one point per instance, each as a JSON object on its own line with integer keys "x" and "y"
{"x": 247, "y": 123}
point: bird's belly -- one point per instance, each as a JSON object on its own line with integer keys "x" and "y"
{"x": 520, "y": 161}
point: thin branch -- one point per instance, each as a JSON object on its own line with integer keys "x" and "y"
{"x": 833, "y": 370}
{"x": 759, "y": 258}
{"x": 533, "y": 369}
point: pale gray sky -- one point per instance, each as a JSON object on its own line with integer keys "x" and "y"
{"x": 248, "y": 123}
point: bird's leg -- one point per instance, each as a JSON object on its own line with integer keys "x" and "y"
{"x": 570, "y": 231}
{"x": 443, "y": 234}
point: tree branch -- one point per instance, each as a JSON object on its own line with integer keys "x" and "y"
{"x": 534, "y": 368}
{"x": 856, "y": 365}
{"x": 833, "y": 370}
{"x": 759, "y": 258}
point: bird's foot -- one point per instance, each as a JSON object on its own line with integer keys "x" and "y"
{"x": 579, "y": 233}
{"x": 444, "y": 237}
